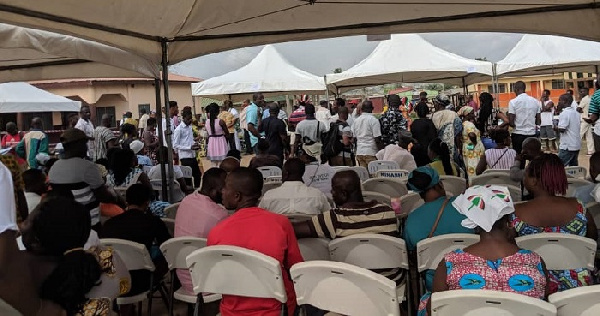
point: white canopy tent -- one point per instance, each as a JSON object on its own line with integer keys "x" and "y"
{"x": 410, "y": 58}
{"x": 269, "y": 73}
{"x": 536, "y": 54}
{"x": 19, "y": 97}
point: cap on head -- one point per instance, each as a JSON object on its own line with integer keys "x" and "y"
{"x": 136, "y": 146}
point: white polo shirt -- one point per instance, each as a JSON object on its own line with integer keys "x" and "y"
{"x": 365, "y": 129}
{"x": 295, "y": 197}
{"x": 525, "y": 108}
{"x": 570, "y": 121}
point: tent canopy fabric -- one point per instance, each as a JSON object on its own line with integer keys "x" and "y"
{"x": 199, "y": 27}
{"x": 268, "y": 72}
{"x": 535, "y": 54}
{"x": 410, "y": 58}
{"x": 16, "y": 97}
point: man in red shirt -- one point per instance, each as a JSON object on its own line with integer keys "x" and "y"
{"x": 256, "y": 229}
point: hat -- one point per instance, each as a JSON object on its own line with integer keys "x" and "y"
{"x": 136, "y": 146}
{"x": 483, "y": 205}
{"x": 443, "y": 99}
{"x": 407, "y": 136}
{"x": 465, "y": 110}
{"x": 434, "y": 175}
{"x": 72, "y": 135}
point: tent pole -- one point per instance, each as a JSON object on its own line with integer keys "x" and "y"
{"x": 161, "y": 140}
{"x": 165, "y": 78}
{"x": 326, "y": 92}
{"x": 194, "y": 105}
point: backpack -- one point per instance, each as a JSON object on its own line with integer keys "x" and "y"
{"x": 332, "y": 145}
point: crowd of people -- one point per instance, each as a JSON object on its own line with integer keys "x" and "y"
{"x": 99, "y": 184}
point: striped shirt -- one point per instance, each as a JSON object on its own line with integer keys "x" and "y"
{"x": 595, "y": 103}
{"x": 500, "y": 158}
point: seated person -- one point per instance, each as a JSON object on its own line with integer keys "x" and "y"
{"x": 495, "y": 262}
{"x": 35, "y": 187}
{"x": 441, "y": 161}
{"x": 550, "y": 211}
{"x": 263, "y": 159}
{"x": 501, "y": 157}
{"x": 199, "y": 212}
{"x": 352, "y": 216}
{"x": 399, "y": 153}
{"x": 316, "y": 175}
{"x": 138, "y": 148}
{"x": 293, "y": 196}
{"x": 254, "y": 228}
{"x": 532, "y": 148}
{"x": 585, "y": 194}
{"x": 137, "y": 224}
{"x": 229, "y": 164}
{"x": 436, "y": 217}
{"x": 155, "y": 174}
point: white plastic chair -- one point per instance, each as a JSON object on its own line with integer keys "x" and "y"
{"x": 147, "y": 169}
{"x": 270, "y": 171}
{"x": 379, "y": 197}
{"x": 135, "y": 257}
{"x": 501, "y": 178}
{"x": 561, "y": 251}
{"x": 231, "y": 270}
{"x": 488, "y": 303}
{"x": 575, "y": 183}
{"x": 343, "y": 288}
{"x": 171, "y": 210}
{"x": 187, "y": 173}
{"x": 170, "y": 223}
{"x": 175, "y": 251}
{"x": 594, "y": 209}
{"x": 496, "y": 170}
{"x": 576, "y": 172}
{"x": 431, "y": 251}
{"x": 398, "y": 174}
{"x": 370, "y": 251}
{"x": 276, "y": 179}
{"x": 515, "y": 192}
{"x": 362, "y": 172}
{"x": 157, "y": 186}
{"x": 410, "y": 202}
{"x": 314, "y": 248}
{"x": 454, "y": 186}
{"x": 387, "y": 186}
{"x": 581, "y": 301}
{"x": 377, "y": 165}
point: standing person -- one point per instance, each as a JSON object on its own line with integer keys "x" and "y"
{"x": 184, "y": 144}
{"x": 439, "y": 153}
{"x": 424, "y": 132}
{"x": 217, "y": 137}
{"x": 228, "y": 105}
{"x": 143, "y": 121}
{"x": 486, "y": 108}
{"x": 244, "y": 126}
{"x": 229, "y": 120}
{"x": 342, "y": 150}
{"x": 11, "y": 140}
{"x": 174, "y": 120}
{"x": 33, "y": 143}
{"x": 104, "y": 138}
{"x": 547, "y": 133}
{"x": 252, "y": 115}
{"x": 367, "y": 134}
{"x": 471, "y": 102}
{"x": 129, "y": 119}
{"x": 502, "y": 157}
{"x": 254, "y": 228}
{"x": 85, "y": 124}
{"x": 594, "y": 113}
{"x": 569, "y": 124}
{"x": 523, "y": 115}
{"x": 309, "y": 132}
{"x": 472, "y": 147}
{"x": 392, "y": 121}
{"x": 587, "y": 130}
{"x": 151, "y": 141}
{"x": 447, "y": 123}
{"x": 275, "y": 133}
{"x": 323, "y": 113}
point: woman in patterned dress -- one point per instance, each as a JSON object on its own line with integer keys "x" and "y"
{"x": 550, "y": 212}
{"x": 495, "y": 262}
{"x": 472, "y": 147}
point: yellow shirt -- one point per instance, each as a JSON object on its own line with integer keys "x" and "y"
{"x": 439, "y": 167}
{"x": 228, "y": 119}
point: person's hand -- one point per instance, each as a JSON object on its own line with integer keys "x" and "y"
{"x": 580, "y": 110}
{"x": 195, "y": 147}
{"x": 588, "y": 120}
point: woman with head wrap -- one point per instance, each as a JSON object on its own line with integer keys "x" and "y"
{"x": 447, "y": 123}
{"x": 472, "y": 147}
{"x": 436, "y": 217}
{"x": 549, "y": 211}
{"x": 495, "y": 262}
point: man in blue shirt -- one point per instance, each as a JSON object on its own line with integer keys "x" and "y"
{"x": 252, "y": 115}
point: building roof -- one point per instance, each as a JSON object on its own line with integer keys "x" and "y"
{"x": 172, "y": 77}
{"x": 400, "y": 90}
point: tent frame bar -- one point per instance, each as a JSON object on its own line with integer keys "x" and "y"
{"x": 169, "y": 140}
{"x": 161, "y": 140}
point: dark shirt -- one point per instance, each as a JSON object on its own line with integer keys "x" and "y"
{"x": 424, "y": 132}
{"x": 273, "y": 129}
{"x": 264, "y": 161}
{"x": 136, "y": 226}
{"x": 392, "y": 122}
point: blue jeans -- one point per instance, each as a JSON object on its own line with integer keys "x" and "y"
{"x": 568, "y": 157}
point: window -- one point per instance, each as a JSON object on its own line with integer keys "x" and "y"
{"x": 45, "y": 116}
{"x": 558, "y": 84}
{"x": 145, "y": 106}
{"x": 501, "y": 88}
{"x": 105, "y": 110}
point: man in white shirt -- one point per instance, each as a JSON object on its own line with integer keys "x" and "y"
{"x": 143, "y": 121}
{"x": 523, "y": 115}
{"x": 85, "y": 124}
{"x": 587, "y": 129}
{"x": 367, "y": 133}
{"x": 569, "y": 124}
{"x": 323, "y": 114}
{"x": 185, "y": 145}
{"x": 293, "y": 196}
{"x": 173, "y": 119}
{"x": 547, "y": 133}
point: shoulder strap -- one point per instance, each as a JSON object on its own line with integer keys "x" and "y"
{"x": 437, "y": 220}
{"x": 498, "y": 160}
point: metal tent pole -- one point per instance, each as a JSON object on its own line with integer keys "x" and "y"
{"x": 326, "y": 92}
{"x": 161, "y": 141}
{"x": 165, "y": 78}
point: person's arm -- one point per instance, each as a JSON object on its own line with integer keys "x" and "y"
{"x": 548, "y": 107}
{"x": 439, "y": 282}
{"x": 592, "y": 230}
{"x": 224, "y": 128}
{"x": 252, "y": 129}
{"x": 177, "y": 141}
{"x": 516, "y": 170}
{"x": 482, "y": 165}
{"x": 20, "y": 149}
{"x": 511, "y": 120}
{"x": 376, "y": 127}
{"x": 511, "y": 114}
{"x": 563, "y": 123}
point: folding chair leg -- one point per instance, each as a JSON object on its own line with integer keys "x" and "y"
{"x": 284, "y": 311}
{"x": 150, "y": 296}
{"x": 199, "y": 309}
{"x": 139, "y": 308}
{"x": 171, "y": 293}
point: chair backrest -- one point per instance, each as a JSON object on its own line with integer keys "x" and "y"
{"x": 594, "y": 209}
{"x": 398, "y": 174}
{"x": 485, "y": 302}
{"x": 170, "y": 223}
{"x": 575, "y": 183}
{"x": 379, "y": 197}
{"x": 454, "y": 185}
{"x": 270, "y": 171}
{"x": 491, "y": 177}
{"x": 431, "y": 251}
{"x": 314, "y": 248}
{"x": 147, "y": 169}
{"x": 561, "y": 251}
{"x": 171, "y": 210}
{"x": 507, "y": 171}
{"x": 270, "y": 186}
{"x": 387, "y": 186}
{"x": 410, "y": 202}
{"x": 576, "y": 172}
{"x": 377, "y": 165}
{"x": 157, "y": 186}
{"x": 515, "y": 192}
{"x": 134, "y": 255}
{"x": 345, "y": 289}
{"x": 276, "y": 179}
{"x": 122, "y": 192}
{"x": 177, "y": 249}
{"x": 237, "y": 271}
{"x": 362, "y": 172}
{"x": 580, "y": 301}
{"x": 370, "y": 251}
{"x": 187, "y": 172}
